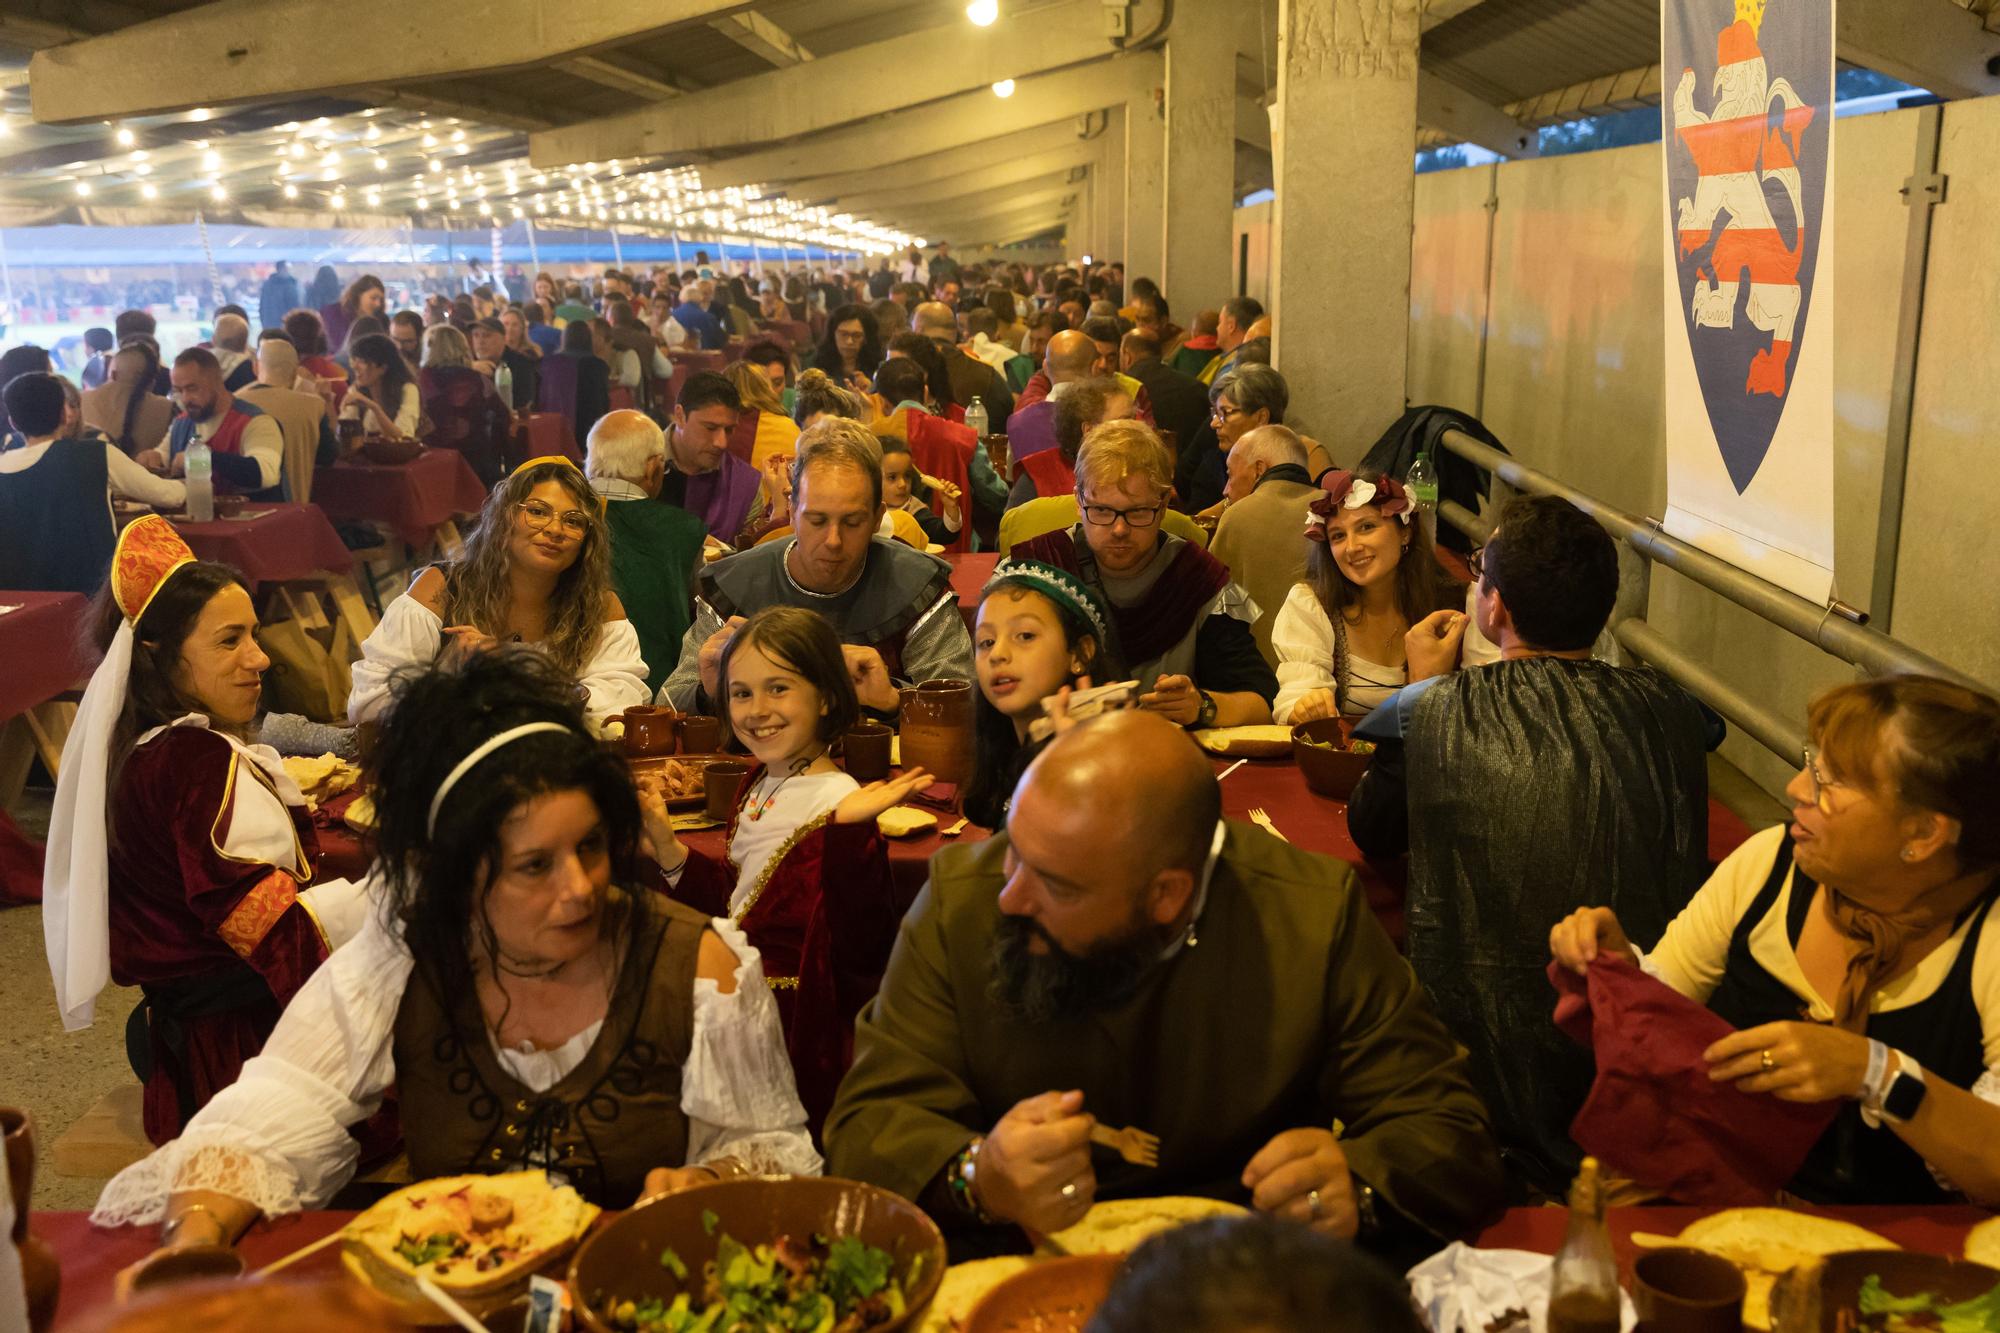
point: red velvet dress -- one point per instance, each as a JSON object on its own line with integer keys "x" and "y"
{"x": 824, "y": 919}
{"x": 218, "y": 939}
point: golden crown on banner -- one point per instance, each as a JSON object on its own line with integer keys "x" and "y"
{"x": 1750, "y": 12}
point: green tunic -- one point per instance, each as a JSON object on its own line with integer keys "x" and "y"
{"x": 1292, "y": 1010}
{"x": 655, "y": 551}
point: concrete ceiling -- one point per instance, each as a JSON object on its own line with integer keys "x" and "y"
{"x": 810, "y": 111}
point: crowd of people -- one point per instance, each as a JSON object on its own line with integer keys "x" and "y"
{"x": 549, "y": 976}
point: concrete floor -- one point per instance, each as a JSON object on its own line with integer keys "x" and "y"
{"x": 55, "y": 1075}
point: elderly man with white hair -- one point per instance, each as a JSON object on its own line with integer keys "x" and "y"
{"x": 232, "y": 350}
{"x": 655, "y": 548}
{"x": 1260, "y": 535}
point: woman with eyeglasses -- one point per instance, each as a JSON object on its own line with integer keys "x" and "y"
{"x": 536, "y": 569}
{"x": 851, "y": 349}
{"x": 1179, "y": 624}
{"x": 1856, "y": 951}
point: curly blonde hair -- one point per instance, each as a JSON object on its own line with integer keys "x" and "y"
{"x": 478, "y": 585}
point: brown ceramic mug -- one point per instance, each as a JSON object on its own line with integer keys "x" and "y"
{"x": 700, "y": 734}
{"x": 649, "y": 731}
{"x": 720, "y": 779}
{"x": 41, "y": 1273}
{"x": 867, "y": 746}
{"x": 1681, "y": 1290}
{"x": 937, "y": 729}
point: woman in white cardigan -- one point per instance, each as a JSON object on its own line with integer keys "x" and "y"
{"x": 1371, "y": 578}
{"x": 536, "y": 570}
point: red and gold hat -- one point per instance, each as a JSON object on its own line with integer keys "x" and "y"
{"x": 148, "y": 553}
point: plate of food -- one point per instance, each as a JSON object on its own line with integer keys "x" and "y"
{"x": 1767, "y": 1243}
{"x": 321, "y": 777}
{"x": 1899, "y": 1291}
{"x": 478, "y": 1238}
{"x": 780, "y": 1253}
{"x": 685, "y": 776}
{"x": 1265, "y": 742}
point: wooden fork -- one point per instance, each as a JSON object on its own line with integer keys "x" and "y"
{"x": 1263, "y": 821}
{"x": 1134, "y": 1145}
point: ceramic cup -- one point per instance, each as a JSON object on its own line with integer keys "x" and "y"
{"x": 867, "y": 745}
{"x": 649, "y": 731}
{"x": 700, "y": 734}
{"x": 1681, "y": 1290}
{"x": 720, "y": 779}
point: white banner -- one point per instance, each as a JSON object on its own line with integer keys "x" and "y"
{"x": 1747, "y": 163}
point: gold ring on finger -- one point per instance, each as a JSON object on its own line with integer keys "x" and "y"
{"x": 1766, "y": 1062}
{"x": 1312, "y": 1204}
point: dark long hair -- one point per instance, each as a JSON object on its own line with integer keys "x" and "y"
{"x": 437, "y": 879}
{"x": 826, "y": 356}
{"x": 1421, "y": 587}
{"x": 920, "y": 349}
{"x": 151, "y": 697}
{"x": 141, "y": 386}
{"x": 998, "y": 753}
{"x": 379, "y": 349}
{"x": 350, "y": 300}
{"x": 365, "y": 326}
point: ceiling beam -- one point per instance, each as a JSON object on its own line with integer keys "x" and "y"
{"x": 1933, "y": 44}
{"x": 253, "y": 50}
{"x": 998, "y": 174}
{"x": 1047, "y": 199}
{"x": 510, "y": 114}
{"x": 1444, "y": 11}
{"x": 1041, "y": 140}
{"x": 610, "y": 72}
{"x": 978, "y": 198}
{"x": 1000, "y": 226}
{"x": 969, "y": 118}
{"x": 761, "y": 37}
{"x": 1463, "y": 118}
{"x": 1253, "y": 123}
{"x": 845, "y": 87}
{"x": 1610, "y": 92}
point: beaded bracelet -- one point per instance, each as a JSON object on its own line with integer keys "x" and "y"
{"x": 960, "y": 1176}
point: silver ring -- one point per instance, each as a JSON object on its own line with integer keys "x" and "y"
{"x": 1312, "y": 1204}
{"x": 1069, "y": 1192}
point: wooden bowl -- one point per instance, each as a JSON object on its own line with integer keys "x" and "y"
{"x": 380, "y": 449}
{"x": 1328, "y": 773}
{"x": 1055, "y": 1295}
{"x": 229, "y": 506}
{"x": 622, "y": 1260}
{"x": 1903, "y": 1273}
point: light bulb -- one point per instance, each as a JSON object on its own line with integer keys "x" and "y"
{"x": 200, "y": 113}
{"x": 373, "y": 132}
{"x": 1004, "y": 88}
{"x": 217, "y": 193}
{"x": 149, "y": 191}
{"x": 298, "y": 150}
{"x": 126, "y": 138}
{"x": 436, "y": 166}
{"x": 83, "y": 189}
{"x": 430, "y": 141}
{"x": 381, "y": 164}
{"x": 291, "y": 191}
{"x": 211, "y": 160}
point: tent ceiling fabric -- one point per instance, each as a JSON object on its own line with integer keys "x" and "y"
{"x": 1502, "y": 52}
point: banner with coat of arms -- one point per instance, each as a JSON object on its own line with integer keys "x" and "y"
{"x": 1748, "y": 164}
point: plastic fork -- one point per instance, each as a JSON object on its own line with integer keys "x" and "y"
{"x": 1136, "y": 1146}
{"x": 1263, "y": 821}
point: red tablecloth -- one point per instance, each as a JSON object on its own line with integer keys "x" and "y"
{"x": 40, "y": 646}
{"x": 969, "y": 573}
{"x": 270, "y": 543}
{"x": 92, "y": 1257}
{"x": 413, "y": 498}
{"x": 542, "y": 434}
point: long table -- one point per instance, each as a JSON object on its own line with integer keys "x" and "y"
{"x": 270, "y": 543}
{"x": 414, "y": 499}
{"x": 41, "y": 646}
{"x": 91, "y": 1257}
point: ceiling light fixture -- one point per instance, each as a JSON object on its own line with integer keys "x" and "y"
{"x": 1004, "y": 88}
{"x": 291, "y": 192}
{"x": 149, "y": 191}
{"x": 126, "y": 138}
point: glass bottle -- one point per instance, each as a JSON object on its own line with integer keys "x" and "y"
{"x": 1422, "y": 483}
{"x": 200, "y": 483}
{"x": 1583, "y": 1283}
{"x": 975, "y": 417}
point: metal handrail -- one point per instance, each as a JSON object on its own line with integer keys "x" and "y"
{"x": 1823, "y": 627}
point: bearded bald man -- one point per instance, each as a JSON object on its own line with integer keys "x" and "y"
{"x": 1123, "y": 955}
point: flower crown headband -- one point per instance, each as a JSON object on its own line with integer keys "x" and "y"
{"x": 1345, "y": 490}
{"x": 1057, "y": 585}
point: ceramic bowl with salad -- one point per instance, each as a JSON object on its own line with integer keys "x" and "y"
{"x": 816, "y": 1255}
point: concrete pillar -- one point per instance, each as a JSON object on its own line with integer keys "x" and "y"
{"x": 1145, "y": 176}
{"x": 1343, "y": 158}
{"x": 1200, "y": 172}
{"x": 1109, "y": 171}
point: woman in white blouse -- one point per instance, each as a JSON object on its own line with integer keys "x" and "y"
{"x": 536, "y": 569}
{"x": 384, "y": 396}
{"x": 1371, "y": 577}
{"x": 534, "y": 1007}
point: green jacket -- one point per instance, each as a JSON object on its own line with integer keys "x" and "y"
{"x": 655, "y": 553}
{"x": 1291, "y": 1010}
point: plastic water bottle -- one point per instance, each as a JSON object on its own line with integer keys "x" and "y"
{"x": 200, "y": 483}
{"x": 503, "y": 384}
{"x": 1422, "y": 483}
{"x": 975, "y": 417}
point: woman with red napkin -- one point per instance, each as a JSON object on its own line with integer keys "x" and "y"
{"x": 1856, "y": 951}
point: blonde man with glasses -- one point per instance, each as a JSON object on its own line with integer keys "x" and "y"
{"x": 1180, "y": 624}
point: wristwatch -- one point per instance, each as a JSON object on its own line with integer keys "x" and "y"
{"x": 1206, "y": 717}
{"x": 1905, "y": 1093}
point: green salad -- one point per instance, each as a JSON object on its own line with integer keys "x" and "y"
{"x": 1879, "y": 1309}
{"x": 791, "y": 1286}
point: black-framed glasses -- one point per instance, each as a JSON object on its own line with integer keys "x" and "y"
{"x": 1103, "y": 516}
{"x": 538, "y": 516}
{"x": 1220, "y": 414}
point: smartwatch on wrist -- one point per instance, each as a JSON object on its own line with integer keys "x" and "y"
{"x": 1905, "y": 1092}
{"x": 1206, "y": 717}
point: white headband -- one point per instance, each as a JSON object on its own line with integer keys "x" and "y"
{"x": 479, "y": 752}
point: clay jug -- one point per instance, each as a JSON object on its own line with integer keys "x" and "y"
{"x": 936, "y": 729}
{"x": 40, "y": 1274}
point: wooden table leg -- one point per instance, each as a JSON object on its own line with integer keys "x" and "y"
{"x": 49, "y": 724}
{"x": 349, "y": 606}
{"x": 17, "y": 756}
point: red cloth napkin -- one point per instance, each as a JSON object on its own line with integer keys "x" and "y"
{"x": 1654, "y": 1115}
{"x": 939, "y": 796}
